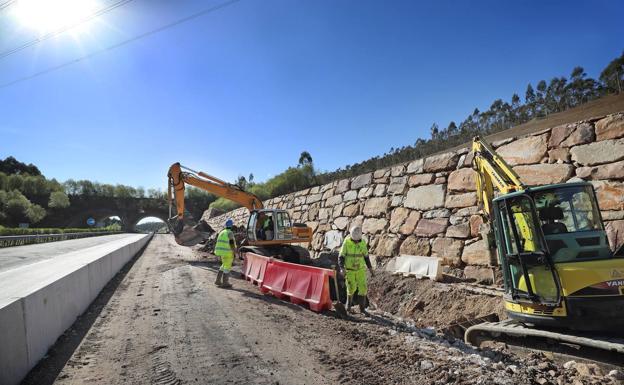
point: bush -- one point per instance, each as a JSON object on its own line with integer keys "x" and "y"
{"x": 58, "y": 200}
{"x": 224, "y": 204}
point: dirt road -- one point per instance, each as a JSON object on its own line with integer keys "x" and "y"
{"x": 166, "y": 323}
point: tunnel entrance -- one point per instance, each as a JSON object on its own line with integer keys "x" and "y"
{"x": 151, "y": 224}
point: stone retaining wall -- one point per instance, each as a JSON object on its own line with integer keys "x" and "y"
{"x": 428, "y": 206}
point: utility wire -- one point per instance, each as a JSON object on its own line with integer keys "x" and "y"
{"x": 59, "y": 31}
{"x": 123, "y": 43}
{"x": 7, "y": 4}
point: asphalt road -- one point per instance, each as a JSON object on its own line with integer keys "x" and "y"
{"x": 18, "y": 256}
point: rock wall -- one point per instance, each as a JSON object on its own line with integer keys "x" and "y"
{"x": 428, "y": 206}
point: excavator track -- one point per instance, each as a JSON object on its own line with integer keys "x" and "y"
{"x": 597, "y": 348}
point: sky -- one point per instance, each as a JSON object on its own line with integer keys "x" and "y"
{"x": 245, "y": 88}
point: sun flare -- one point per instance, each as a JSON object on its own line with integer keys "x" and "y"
{"x": 51, "y": 15}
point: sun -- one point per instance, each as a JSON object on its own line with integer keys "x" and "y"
{"x": 52, "y": 15}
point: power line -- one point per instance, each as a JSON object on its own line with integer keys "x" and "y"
{"x": 123, "y": 43}
{"x": 59, "y": 31}
{"x": 7, "y": 4}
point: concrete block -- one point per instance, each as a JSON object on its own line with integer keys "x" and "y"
{"x": 38, "y": 302}
{"x": 415, "y": 265}
{"x": 13, "y": 348}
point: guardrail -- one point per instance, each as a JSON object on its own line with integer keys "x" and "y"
{"x": 20, "y": 240}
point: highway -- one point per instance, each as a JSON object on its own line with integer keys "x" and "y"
{"x": 18, "y": 256}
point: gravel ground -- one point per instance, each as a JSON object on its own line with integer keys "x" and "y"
{"x": 162, "y": 321}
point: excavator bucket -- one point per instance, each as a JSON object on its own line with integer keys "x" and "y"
{"x": 187, "y": 234}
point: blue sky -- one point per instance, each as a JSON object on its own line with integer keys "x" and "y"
{"x": 246, "y": 88}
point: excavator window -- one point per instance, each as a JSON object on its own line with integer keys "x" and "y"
{"x": 568, "y": 209}
{"x": 525, "y": 258}
{"x": 284, "y": 229}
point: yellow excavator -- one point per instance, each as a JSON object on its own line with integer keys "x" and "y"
{"x": 563, "y": 286}
{"x": 270, "y": 232}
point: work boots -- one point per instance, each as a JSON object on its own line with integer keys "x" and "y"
{"x": 350, "y": 299}
{"x": 362, "y": 304}
{"x": 218, "y": 282}
{"x": 226, "y": 281}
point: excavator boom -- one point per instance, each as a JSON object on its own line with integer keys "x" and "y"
{"x": 179, "y": 176}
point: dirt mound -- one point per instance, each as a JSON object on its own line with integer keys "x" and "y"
{"x": 429, "y": 303}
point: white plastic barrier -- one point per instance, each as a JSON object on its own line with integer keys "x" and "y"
{"x": 418, "y": 266}
{"x": 38, "y": 302}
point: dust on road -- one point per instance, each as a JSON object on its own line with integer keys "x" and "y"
{"x": 166, "y": 323}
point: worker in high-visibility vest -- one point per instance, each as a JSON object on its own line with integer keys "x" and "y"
{"x": 225, "y": 249}
{"x": 353, "y": 261}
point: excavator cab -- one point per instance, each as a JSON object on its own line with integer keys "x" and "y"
{"x": 275, "y": 226}
{"x": 528, "y": 272}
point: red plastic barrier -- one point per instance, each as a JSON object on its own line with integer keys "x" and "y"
{"x": 254, "y": 267}
{"x": 301, "y": 284}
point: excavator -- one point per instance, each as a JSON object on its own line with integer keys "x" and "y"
{"x": 563, "y": 286}
{"x": 270, "y": 232}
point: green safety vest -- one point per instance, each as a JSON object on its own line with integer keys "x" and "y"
{"x": 354, "y": 254}
{"x": 222, "y": 248}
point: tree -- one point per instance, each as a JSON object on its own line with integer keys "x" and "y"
{"x": 305, "y": 158}
{"x": 613, "y": 75}
{"x": 10, "y": 165}
{"x": 58, "y": 200}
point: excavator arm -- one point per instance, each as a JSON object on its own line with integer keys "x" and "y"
{"x": 179, "y": 176}
{"x": 492, "y": 172}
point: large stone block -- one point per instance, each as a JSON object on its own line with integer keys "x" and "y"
{"x": 611, "y": 127}
{"x": 477, "y": 253}
{"x": 341, "y": 223}
{"x": 524, "y": 151}
{"x": 409, "y": 225}
{"x": 420, "y": 179}
{"x": 559, "y": 134}
{"x": 425, "y": 197}
{"x": 374, "y": 225}
{"x": 333, "y": 200}
{"x": 605, "y": 171}
{"x": 375, "y": 207}
{"x": 475, "y": 224}
{"x": 448, "y": 250}
{"x": 361, "y": 181}
{"x": 461, "y": 200}
{"x": 559, "y": 155}
{"x": 464, "y": 179}
{"x": 397, "y": 185}
{"x": 615, "y": 233}
{"x": 387, "y": 245}
{"x": 398, "y": 170}
{"x": 415, "y": 246}
{"x": 365, "y": 192}
{"x": 380, "y": 190}
{"x": 610, "y": 195}
{"x": 437, "y": 213}
{"x": 350, "y": 195}
{"x": 431, "y": 227}
{"x": 606, "y": 151}
{"x": 342, "y": 186}
{"x": 415, "y": 167}
{"x": 397, "y": 217}
{"x": 351, "y": 210}
{"x": 584, "y": 133}
{"x": 540, "y": 174}
{"x": 461, "y": 230}
{"x": 441, "y": 162}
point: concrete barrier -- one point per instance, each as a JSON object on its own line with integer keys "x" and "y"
{"x": 418, "y": 266}
{"x": 38, "y": 302}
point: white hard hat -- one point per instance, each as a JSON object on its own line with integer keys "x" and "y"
{"x": 356, "y": 233}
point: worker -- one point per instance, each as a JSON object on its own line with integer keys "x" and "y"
{"x": 225, "y": 249}
{"x": 353, "y": 255}
{"x": 267, "y": 227}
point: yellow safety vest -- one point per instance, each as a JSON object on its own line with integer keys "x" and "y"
{"x": 354, "y": 254}
{"x": 222, "y": 248}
